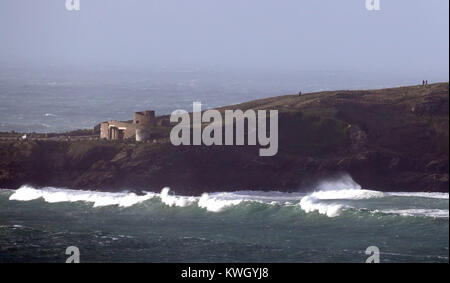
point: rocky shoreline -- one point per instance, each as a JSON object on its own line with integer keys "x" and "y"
{"x": 388, "y": 140}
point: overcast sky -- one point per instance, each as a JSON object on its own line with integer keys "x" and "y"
{"x": 405, "y": 36}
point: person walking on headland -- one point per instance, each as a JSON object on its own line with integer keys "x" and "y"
{"x": 423, "y": 82}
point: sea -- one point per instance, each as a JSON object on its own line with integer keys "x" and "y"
{"x": 338, "y": 221}
{"x": 59, "y": 98}
{"x": 335, "y": 220}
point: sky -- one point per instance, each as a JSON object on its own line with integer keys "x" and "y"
{"x": 404, "y": 36}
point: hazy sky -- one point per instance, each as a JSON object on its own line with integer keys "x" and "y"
{"x": 405, "y": 36}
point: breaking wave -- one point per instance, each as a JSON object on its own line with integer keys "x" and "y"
{"x": 343, "y": 188}
{"x": 436, "y": 213}
{"x": 54, "y": 195}
{"x": 330, "y": 198}
{"x": 310, "y": 204}
{"x": 172, "y": 200}
{"x": 420, "y": 195}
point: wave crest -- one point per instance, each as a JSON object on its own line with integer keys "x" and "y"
{"x": 54, "y": 195}
{"x": 311, "y": 204}
{"x": 342, "y": 188}
{"x": 332, "y": 200}
{"x": 215, "y": 204}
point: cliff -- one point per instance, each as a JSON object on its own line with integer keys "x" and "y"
{"x": 389, "y": 139}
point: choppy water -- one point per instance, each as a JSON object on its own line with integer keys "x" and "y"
{"x": 54, "y": 99}
{"x": 336, "y": 223}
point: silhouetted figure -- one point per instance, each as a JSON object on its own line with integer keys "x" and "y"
{"x": 299, "y": 93}
{"x": 426, "y": 82}
{"x": 423, "y": 82}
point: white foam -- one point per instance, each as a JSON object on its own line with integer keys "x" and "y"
{"x": 327, "y": 199}
{"x": 311, "y": 204}
{"x": 347, "y": 194}
{"x": 259, "y": 196}
{"x": 172, "y": 200}
{"x": 436, "y": 213}
{"x": 216, "y": 204}
{"x": 26, "y": 193}
{"x": 420, "y": 194}
{"x": 343, "y": 188}
{"x": 54, "y": 195}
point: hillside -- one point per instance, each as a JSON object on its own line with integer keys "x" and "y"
{"x": 389, "y": 139}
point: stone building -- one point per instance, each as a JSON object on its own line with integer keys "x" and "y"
{"x": 138, "y": 129}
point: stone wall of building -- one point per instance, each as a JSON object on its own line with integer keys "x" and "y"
{"x": 144, "y": 117}
{"x": 144, "y": 121}
{"x": 116, "y": 130}
{"x": 104, "y": 131}
{"x": 139, "y": 128}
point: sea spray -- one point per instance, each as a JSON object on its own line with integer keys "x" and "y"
{"x": 342, "y": 182}
{"x": 172, "y": 200}
{"x": 341, "y": 188}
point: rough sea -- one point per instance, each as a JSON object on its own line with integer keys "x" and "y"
{"x": 58, "y": 99}
{"x": 335, "y": 222}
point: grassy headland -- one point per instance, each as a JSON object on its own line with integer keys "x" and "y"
{"x": 389, "y": 139}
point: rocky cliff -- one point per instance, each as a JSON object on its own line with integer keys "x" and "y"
{"x": 388, "y": 139}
